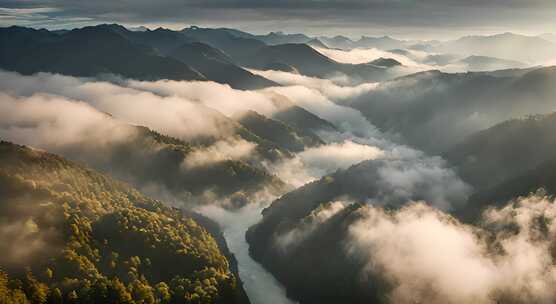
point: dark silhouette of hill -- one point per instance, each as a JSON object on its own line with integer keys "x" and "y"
{"x": 540, "y": 180}
{"x": 275, "y": 38}
{"x": 506, "y": 150}
{"x": 315, "y": 42}
{"x": 86, "y": 52}
{"x": 485, "y": 63}
{"x": 113, "y": 49}
{"x": 434, "y": 110}
{"x": 217, "y": 66}
{"x": 287, "y": 137}
{"x": 385, "y": 62}
{"x": 239, "y": 48}
{"x": 312, "y": 63}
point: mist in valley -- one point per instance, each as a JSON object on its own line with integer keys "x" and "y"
{"x": 283, "y": 168}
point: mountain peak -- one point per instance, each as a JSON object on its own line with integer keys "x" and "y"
{"x": 385, "y": 62}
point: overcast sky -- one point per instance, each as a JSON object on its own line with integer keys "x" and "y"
{"x": 400, "y": 18}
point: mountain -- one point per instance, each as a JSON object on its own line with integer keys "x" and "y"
{"x": 285, "y": 136}
{"x": 540, "y": 180}
{"x": 385, "y": 62}
{"x": 275, "y": 38}
{"x": 310, "y": 277}
{"x": 299, "y": 118}
{"x": 310, "y": 62}
{"x": 434, "y": 110}
{"x": 278, "y": 66}
{"x": 506, "y": 46}
{"x": 485, "y": 63}
{"x": 441, "y": 59}
{"x": 72, "y": 234}
{"x": 217, "y": 66}
{"x": 211, "y": 62}
{"x": 338, "y": 42}
{"x": 383, "y": 43}
{"x": 525, "y": 143}
{"x": 234, "y": 32}
{"x": 161, "y": 40}
{"x": 240, "y": 48}
{"x": 139, "y": 29}
{"x": 163, "y": 54}
{"x": 157, "y": 164}
{"x": 315, "y": 42}
{"x": 308, "y": 228}
{"x": 86, "y": 52}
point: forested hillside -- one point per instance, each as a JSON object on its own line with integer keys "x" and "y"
{"x": 62, "y": 233}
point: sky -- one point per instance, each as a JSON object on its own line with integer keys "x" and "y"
{"x": 430, "y": 19}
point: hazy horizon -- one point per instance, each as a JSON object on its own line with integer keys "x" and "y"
{"x": 220, "y": 164}
{"x": 424, "y": 19}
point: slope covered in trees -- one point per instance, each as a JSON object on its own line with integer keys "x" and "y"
{"x": 285, "y": 136}
{"x": 504, "y": 151}
{"x": 434, "y": 110}
{"x": 86, "y": 52}
{"x": 71, "y": 235}
{"x": 164, "y": 166}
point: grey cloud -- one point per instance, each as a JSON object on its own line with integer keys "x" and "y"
{"x": 313, "y": 16}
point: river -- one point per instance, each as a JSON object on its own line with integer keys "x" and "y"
{"x": 261, "y": 287}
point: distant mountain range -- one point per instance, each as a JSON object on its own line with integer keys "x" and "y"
{"x": 104, "y": 49}
{"x": 252, "y": 51}
{"x": 485, "y": 63}
{"x": 310, "y": 62}
{"x": 505, "y": 46}
{"x": 191, "y": 54}
{"x": 220, "y": 54}
{"x": 434, "y": 110}
{"x": 86, "y": 52}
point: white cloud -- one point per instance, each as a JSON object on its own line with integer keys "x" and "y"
{"x": 53, "y": 122}
{"x": 360, "y": 55}
{"x": 333, "y": 88}
{"x": 219, "y": 151}
{"x": 316, "y": 162}
{"x": 214, "y": 95}
{"x": 428, "y": 256}
{"x": 308, "y": 225}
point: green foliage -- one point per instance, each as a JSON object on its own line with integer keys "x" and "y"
{"x": 100, "y": 240}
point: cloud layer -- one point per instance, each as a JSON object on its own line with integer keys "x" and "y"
{"x": 427, "y": 255}
{"x": 354, "y": 17}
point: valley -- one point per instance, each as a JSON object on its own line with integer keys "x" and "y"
{"x": 214, "y": 165}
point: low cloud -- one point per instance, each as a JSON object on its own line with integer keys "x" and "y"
{"x": 22, "y": 241}
{"x": 308, "y": 225}
{"x": 222, "y": 150}
{"x": 338, "y": 88}
{"x": 314, "y": 163}
{"x": 361, "y": 55}
{"x": 217, "y": 96}
{"x": 426, "y": 178}
{"x": 428, "y": 256}
{"x": 54, "y": 123}
{"x": 169, "y": 115}
{"x": 346, "y": 119}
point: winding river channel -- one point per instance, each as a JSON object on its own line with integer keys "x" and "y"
{"x": 260, "y": 285}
